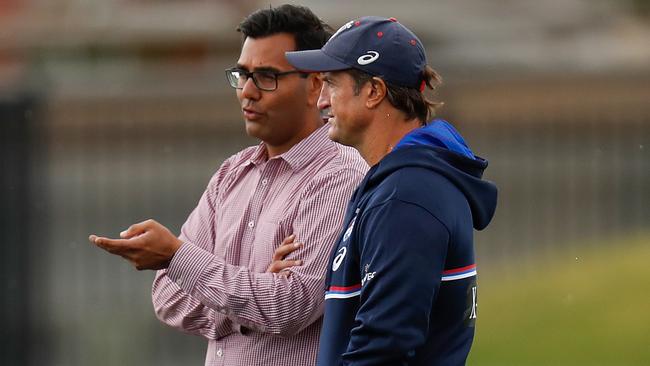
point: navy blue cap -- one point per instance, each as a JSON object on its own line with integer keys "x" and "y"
{"x": 379, "y": 46}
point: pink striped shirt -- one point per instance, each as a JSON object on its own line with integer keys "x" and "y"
{"x": 215, "y": 285}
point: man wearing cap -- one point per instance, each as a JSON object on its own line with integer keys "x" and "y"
{"x": 401, "y": 284}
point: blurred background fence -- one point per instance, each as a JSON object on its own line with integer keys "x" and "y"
{"x": 112, "y": 124}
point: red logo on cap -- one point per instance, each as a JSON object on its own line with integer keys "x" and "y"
{"x": 413, "y": 42}
{"x": 357, "y": 23}
{"x": 380, "y": 34}
{"x": 392, "y": 19}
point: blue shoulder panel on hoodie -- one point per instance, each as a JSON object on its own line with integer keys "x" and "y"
{"x": 439, "y": 133}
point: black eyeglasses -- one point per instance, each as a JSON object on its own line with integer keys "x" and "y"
{"x": 264, "y": 80}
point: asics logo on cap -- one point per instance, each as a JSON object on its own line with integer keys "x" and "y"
{"x": 368, "y": 58}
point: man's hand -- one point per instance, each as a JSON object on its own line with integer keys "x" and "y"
{"x": 147, "y": 245}
{"x": 279, "y": 264}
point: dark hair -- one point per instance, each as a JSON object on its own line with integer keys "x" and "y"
{"x": 307, "y": 29}
{"x": 411, "y": 101}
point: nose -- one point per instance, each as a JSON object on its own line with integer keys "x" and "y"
{"x": 324, "y": 98}
{"x": 250, "y": 90}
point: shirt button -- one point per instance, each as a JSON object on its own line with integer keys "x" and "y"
{"x": 265, "y": 181}
{"x": 219, "y": 352}
{"x": 251, "y": 224}
{"x": 179, "y": 282}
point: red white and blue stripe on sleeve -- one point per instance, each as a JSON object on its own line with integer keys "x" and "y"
{"x": 341, "y": 292}
{"x": 459, "y": 273}
{"x": 344, "y": 292}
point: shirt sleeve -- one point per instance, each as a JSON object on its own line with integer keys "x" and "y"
{"x": 172, "y": 305}
{"x": 402, "y": 255}
{"x": 266, "y": 302}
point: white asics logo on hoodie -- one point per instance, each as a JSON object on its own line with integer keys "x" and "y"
{"x": 339, "y": 258}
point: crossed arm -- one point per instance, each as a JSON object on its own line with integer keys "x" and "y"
{"x": 135, "y": 246}
{"x": 198, "y": 292}
{"x": 178, "y": 309}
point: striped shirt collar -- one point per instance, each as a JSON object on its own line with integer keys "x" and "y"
{"x": 301, "y": 153}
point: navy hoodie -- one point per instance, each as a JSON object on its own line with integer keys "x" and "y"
{"x": 401, "y": 284}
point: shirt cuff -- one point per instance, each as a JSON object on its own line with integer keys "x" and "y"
{"x": 187, "y": 265}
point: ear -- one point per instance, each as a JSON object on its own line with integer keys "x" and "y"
{"x": 314, "y": 86}
{"x": 375, "y": 92}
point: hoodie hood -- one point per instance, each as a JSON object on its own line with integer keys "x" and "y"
{"x": 440, "y": 148}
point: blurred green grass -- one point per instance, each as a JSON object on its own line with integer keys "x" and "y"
{"x": 585, "y": 307}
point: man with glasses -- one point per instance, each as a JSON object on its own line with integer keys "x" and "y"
{"x": 213, "y": 279}
{"x": 266, "y": 80}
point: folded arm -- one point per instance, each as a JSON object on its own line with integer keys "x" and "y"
{"x": 268, "y": 302}
{"x": 175, "y": 307}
